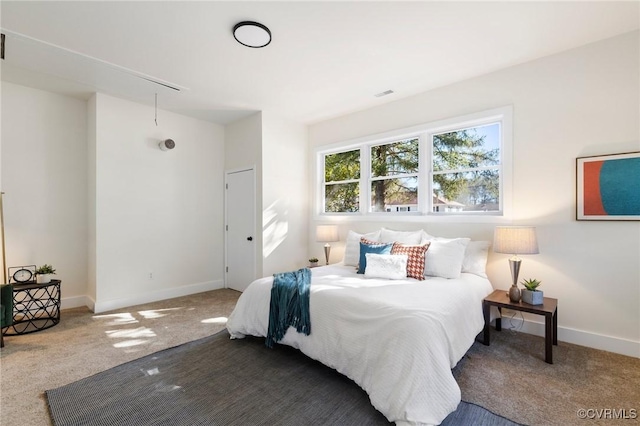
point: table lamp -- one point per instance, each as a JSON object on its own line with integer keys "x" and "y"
{"x": 515, "y": 240}
{"x": 327, "y": 234}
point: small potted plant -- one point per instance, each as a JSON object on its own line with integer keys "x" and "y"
{"x": 43, "y": 273}
{"x": 531, "y": 294}
{"x": 313, "y": 262}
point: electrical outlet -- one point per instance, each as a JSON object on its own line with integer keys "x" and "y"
{"x": 150, "y": 275}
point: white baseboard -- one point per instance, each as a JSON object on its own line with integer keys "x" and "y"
{"x": 139, "y": 299}
{"x": 576, "y": 337}
{"x": 76, "y": 302}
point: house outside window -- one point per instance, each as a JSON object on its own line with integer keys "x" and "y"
{"x": 451, "y": 168}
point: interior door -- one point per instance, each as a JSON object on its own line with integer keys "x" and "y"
{"x": 240, "y": 213}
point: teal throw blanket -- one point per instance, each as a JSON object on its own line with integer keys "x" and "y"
{"x": 289, "y": 305}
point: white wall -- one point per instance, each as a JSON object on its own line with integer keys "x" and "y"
{"x": 91, "y": 200}
{"x": 277, "y": 149}
{"x": 285, "y": 197}
{"x": 44, "y": 177}
{"x": 243, "y": 150}
{"x": 581, "y": 102}
{"x": 138, "y": 224}
{"x": 159, "y": 214}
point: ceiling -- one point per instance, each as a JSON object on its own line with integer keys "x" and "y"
{"x": 326, "y": 59}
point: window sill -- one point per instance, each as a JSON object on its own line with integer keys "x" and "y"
{"x": 412, "y": 218}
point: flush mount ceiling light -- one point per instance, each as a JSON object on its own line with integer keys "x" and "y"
{"x": 252, "y": 34}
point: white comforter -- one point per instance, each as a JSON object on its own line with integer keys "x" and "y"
{"x": 397, "y": 339}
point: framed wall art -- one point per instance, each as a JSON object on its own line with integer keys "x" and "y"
{"x": 608, "y": 187}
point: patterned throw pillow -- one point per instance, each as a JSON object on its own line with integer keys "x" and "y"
{"x": 415, "y": 264}
{"x": 371, "y": 242}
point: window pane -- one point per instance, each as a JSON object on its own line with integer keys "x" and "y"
{"x": 342, "y": 166}
{"x": 467, "y": 148}
{"x": 470, "y": 191}
{"x": 342, "y": 198}
{"x": 396, "y": 158}
{"x": 394, "y": 195}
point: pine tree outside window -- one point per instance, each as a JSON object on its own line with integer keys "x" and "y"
{"x": 342, "y": 182}
{"x": 394, "y": 176}
{"x": 466, "y": 170}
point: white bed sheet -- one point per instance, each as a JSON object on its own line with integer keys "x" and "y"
{"x": 397, "y": 339}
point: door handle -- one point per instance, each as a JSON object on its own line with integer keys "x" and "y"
{"x": 249, "y": 238}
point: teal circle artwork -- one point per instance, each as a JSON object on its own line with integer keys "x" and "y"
{"x": 620, "y": 186}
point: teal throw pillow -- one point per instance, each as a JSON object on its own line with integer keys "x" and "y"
{"x": 371, "y": 248}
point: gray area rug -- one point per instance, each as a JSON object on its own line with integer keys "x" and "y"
{"x": 218, "y": 381}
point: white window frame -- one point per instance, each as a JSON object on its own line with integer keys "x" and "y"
{"x": 500, "y": 167}
{"x": 323, "y": 185}
{"x": 368, "y": 178}
{"x": 424, "y": 132}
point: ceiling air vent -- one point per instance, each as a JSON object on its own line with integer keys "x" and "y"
{"x": 385, "y": 93}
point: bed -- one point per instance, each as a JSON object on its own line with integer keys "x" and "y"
{"x": 397, "y": 339}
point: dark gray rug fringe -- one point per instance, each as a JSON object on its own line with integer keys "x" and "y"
{"x": 218, "y": 381}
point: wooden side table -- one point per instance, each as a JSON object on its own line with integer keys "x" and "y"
{"x": 500, "y": 299}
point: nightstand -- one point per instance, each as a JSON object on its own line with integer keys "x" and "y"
{"x": 35, "y": 307}
{"x": 500, "y": 299}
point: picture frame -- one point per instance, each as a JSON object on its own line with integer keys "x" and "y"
{"x": 608, "y": 187}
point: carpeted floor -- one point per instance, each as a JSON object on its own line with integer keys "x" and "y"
{"x": 509, "y": 377}
{"x": 218, "y": 381}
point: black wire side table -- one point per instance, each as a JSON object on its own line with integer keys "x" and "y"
{"x": 35, "y": 307}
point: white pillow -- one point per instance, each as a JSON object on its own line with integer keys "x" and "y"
{"x": 475, "y": 258}
{"x": 390, "y": 266}
{"x": 352, "y": 246}
{"x": 444, "y": 257}
{"x": 410, "y": 238}
{"x": 426, "y": 237}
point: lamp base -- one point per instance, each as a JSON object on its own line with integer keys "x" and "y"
{"x": 327, "y": 251}
{"x": 514, "y": 293}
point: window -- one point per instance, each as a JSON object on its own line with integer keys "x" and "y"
{"x": 341, "y": 182}
{"x": 449, "y": 168}
{"x": 394, "y": 176}
{"x": 466, "y": 170}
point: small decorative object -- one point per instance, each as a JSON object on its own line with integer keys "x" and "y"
{"x": 22, "y": 274}
{"x": 313, "y": 262}
{"x": 608, "y": 187}
{"x": 531, "y": 294}
{"x": 43, "y": 273}
{"x": 515, "y": 240}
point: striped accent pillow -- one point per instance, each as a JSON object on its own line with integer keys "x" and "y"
{"x": 415, "y": 263}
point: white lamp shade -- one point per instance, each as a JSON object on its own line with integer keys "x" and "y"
{"x": 327, "y": 233}
{"x": 515, "y": 240}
